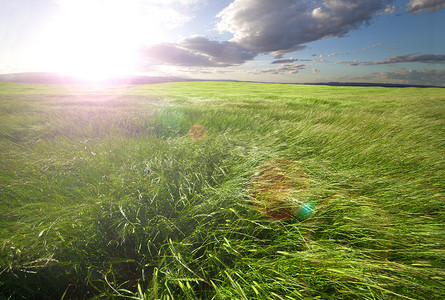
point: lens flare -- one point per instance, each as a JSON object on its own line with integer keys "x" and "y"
{"x": 279, "y": 190}
{"x": 197, "y": 132}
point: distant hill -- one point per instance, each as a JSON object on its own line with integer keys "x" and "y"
{"x": 374, "y": 84}
{"x": 55, "y": 78}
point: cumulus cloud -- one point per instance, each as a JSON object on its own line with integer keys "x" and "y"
{"x": 332, "y": 54}
{"x": 428, "y": 77}
{"x": 282, "y": 69}
{"x": 282, "y": 26}
{"x": 197, "y": 51}
{"x": 315, "y": 71}
{"x": 424, "y": 6}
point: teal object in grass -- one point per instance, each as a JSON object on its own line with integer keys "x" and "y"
{"x": 306, "y": 211}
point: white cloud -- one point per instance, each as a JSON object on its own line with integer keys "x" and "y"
{"x": 424, "y": 6}
{"x": 282, "y": 69}
{"x": 160, "y": 14}
{"x": 282, "y": 26}
{"x": 373, "y": 46}
{"x": 315, "y": 71}
{"x": 171, "y": 54}
{"x": 389, "y": 10}
{"x": 171, "y": 2}
{"x": 284, "y": 60}
{"x": 355, "y": 62}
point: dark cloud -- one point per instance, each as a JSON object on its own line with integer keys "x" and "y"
{"x": 197, "y": 51}
{"x": 424, "y": 6}
{"x": 429, "y": 77}
{"x": 282, "y": 26}
{"x": 424, "y": 58}
{"x": 282, "y": 69}
{"x": 220, "y": 52}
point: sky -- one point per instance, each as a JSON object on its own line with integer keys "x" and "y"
{"x": 306, "y": 41}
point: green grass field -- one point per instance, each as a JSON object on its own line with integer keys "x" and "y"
{"x": 104, "y": 193}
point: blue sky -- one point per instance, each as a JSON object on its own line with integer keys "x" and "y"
{"x": 257, "y": 40}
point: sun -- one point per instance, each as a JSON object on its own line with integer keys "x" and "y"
{"x": 94, "y": 55}
{"x": 94, "y": 40}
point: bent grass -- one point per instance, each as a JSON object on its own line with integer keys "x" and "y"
{"x": 108, "y": 195}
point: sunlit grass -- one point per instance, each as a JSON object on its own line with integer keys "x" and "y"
{"x": 106, "y": 194}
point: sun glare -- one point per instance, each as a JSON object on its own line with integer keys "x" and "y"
{"x": 94, "y": 41}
